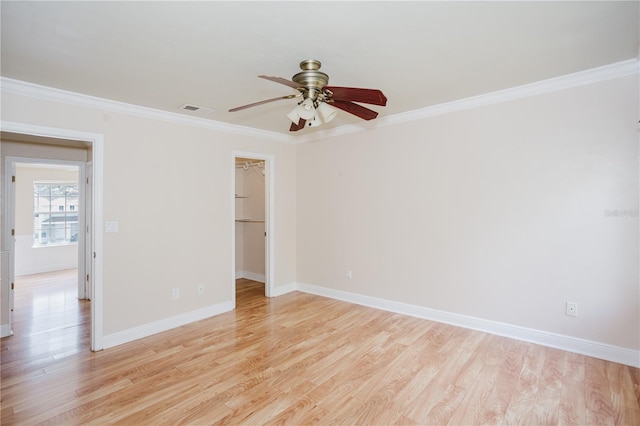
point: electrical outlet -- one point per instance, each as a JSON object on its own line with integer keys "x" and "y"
{"x": 571, "y": 309}
{"x": 349, "y": 274}
{"x": 200, "y": 288}
{"x": 175, "y": 293}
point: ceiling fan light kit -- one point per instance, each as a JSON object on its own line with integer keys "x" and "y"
{"x": 320, "y": 102}
{"x": 326, "y": 112}
{"x": 306, "y": 109}
{"x": 293, "y": 116}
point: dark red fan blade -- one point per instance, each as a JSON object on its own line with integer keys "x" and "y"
{"x": 355, "y": 109}
{"x": 354, "y": 94}
{"x": 281, "y": 81}
{"x": 261, "y": 102}
{"x": 295, "y": 127}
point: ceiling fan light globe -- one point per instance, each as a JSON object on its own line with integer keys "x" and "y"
{"x": 315, "y": 122}
{"x": 293, "y": 116}
{"x": 306, "y": 110}
{"x": 326, "y": 112}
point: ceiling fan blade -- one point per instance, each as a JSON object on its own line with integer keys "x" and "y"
{"x": 354, "y": 94}
{"x": 355, "y": 109}
{"x": 295, "y": 127}
{"x": 281, "y": 81}
{"x": 262, "y": 102}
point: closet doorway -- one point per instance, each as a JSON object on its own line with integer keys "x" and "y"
{"x": 252, "y": 219}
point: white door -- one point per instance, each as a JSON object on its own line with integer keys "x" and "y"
{"x": 5, "y": 274}
{"x": 88, "y": 225}
{"x": 11, "y": 234}
{"x": 8, "y": 247}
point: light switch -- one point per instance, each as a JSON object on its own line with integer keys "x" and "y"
{"x": 111, "y": 226}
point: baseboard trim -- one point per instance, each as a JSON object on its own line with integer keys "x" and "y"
{"x": 558, "y": 341}
{"x": 250, "y": 276}
{"x": 283, "y": 289}
{"x": 46, "y": 268}
{"x": 5, "y": 330}
{"x": 129, "y": 335}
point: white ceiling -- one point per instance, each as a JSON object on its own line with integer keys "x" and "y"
{"x": 165, "y": 54}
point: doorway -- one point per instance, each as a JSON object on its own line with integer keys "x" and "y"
{"x": 45, "y": 144}
{"x": 252, "y": 183}
{"x": 48, "y": 214}
{"x": 45, "y": 205}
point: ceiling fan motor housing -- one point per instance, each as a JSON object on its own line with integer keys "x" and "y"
{"x": 311, "y": 78}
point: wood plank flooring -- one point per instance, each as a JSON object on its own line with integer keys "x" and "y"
{"x": 301, "y": 359}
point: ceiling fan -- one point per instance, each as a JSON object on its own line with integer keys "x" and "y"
{"x": 318, "y": 102}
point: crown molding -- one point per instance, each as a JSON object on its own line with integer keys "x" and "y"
{"x": 18, "y": 87}
{"x": 607, "y": 72}
{"x": 594, "y": 75}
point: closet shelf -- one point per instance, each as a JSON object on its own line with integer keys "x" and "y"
{"x": 245, "y": 220}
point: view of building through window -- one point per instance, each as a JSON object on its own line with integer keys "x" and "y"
{"x": 55, "y": 213}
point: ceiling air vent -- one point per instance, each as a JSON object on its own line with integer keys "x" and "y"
{"x": 195, "y": 108}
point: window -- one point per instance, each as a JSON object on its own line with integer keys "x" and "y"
{"x": 55, "y": 213}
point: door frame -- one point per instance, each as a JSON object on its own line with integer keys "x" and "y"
{"x": 269, "y": 215}
{"x": 10, "y": 205}
{"x": 96, "y": 141}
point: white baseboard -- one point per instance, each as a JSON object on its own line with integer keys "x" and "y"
{"x": 5, "y": 330}
{"x": 567, "y": 343}
{"x": 283, "y": 289}
{"x": 250, "y": 276}
{"x": 36, "y": 260}
{"x": 164, "y": 324}
{"x": 47, "y": 268}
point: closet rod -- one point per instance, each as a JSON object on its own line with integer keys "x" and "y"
{"x": 247, "y": 164}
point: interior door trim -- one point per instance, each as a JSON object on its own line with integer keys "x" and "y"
{"x": 96, "y": 140}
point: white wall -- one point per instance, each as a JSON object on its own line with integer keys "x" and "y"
{"x": 30, "y": 259}
{"x": 501, "y": 212}
{"x": 498, "y": 213}
{"x": 169, "y": 186}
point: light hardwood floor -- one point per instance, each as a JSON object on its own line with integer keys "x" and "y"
{"x": 296, "y": 359}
